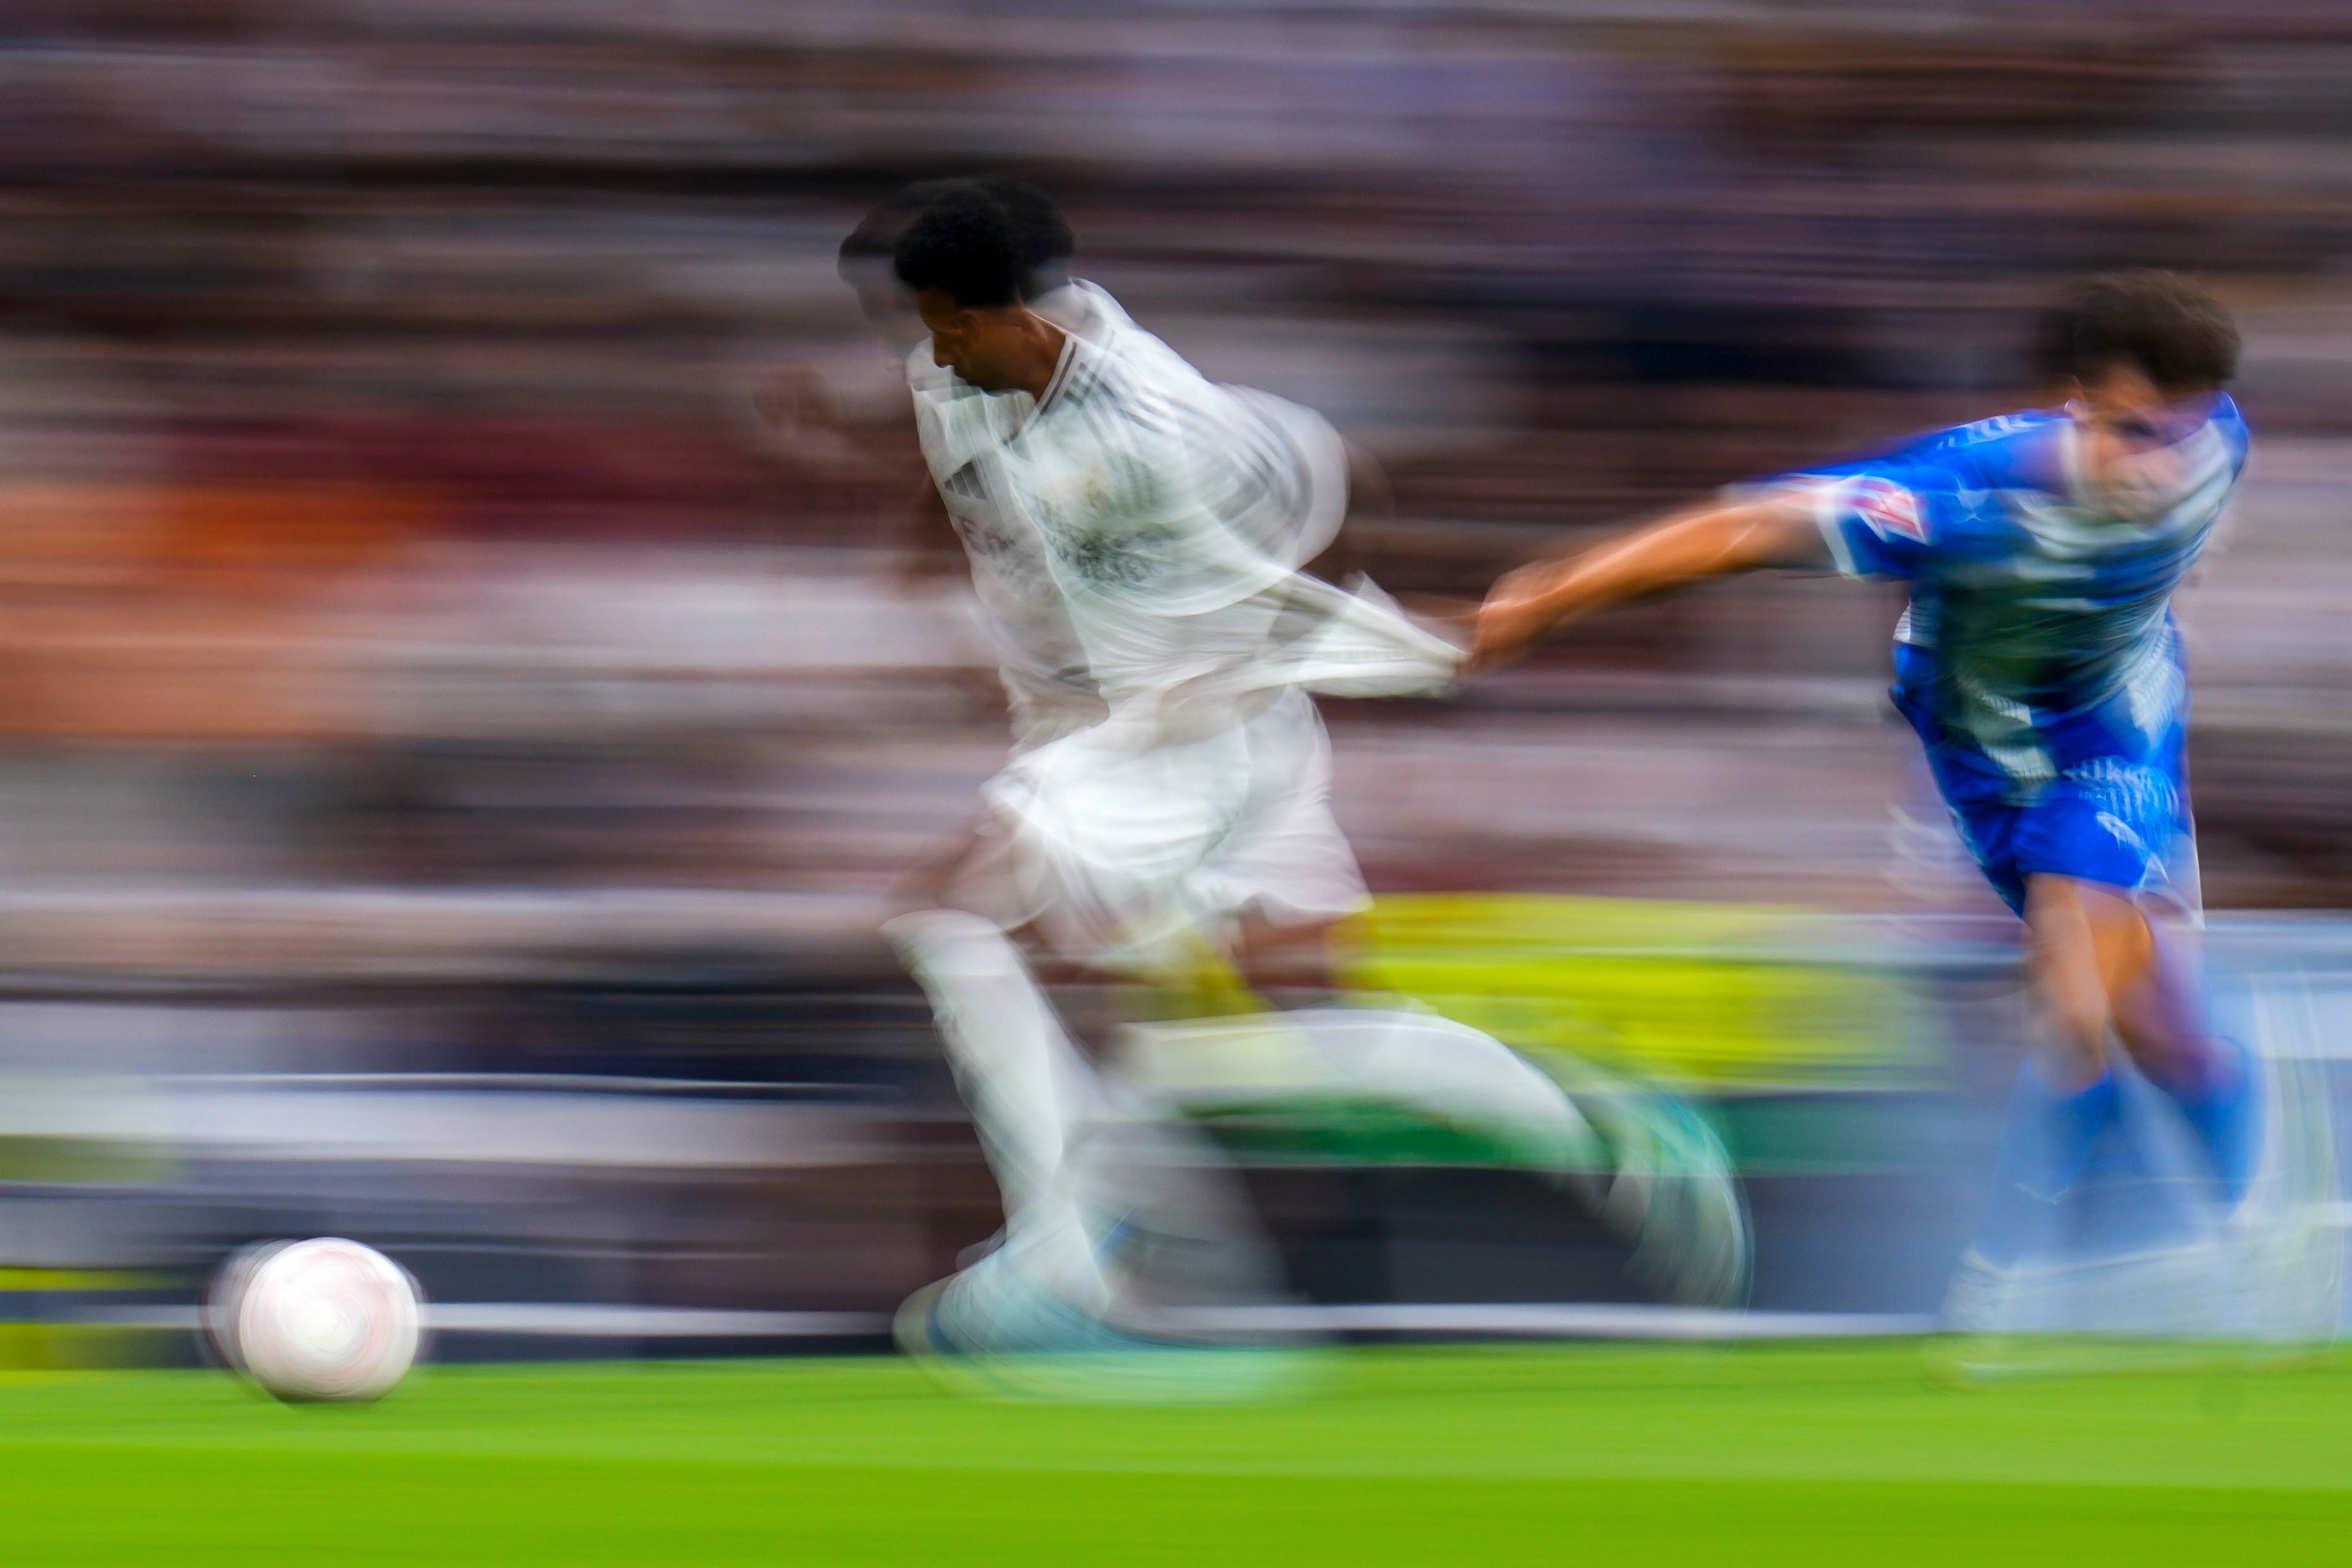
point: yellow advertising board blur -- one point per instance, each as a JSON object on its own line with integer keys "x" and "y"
{"x": 1720, "y": 993}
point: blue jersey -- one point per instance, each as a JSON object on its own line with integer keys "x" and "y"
{"x": 2038, "y": 659}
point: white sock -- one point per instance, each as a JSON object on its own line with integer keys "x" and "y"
{"x": 1030, "y": 1093}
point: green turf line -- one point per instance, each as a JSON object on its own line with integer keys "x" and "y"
{"x": 125, "y": 1507}
{"x": 1761, "y": 1454}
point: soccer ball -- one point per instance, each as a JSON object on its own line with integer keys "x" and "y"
{"x": 320, "y": 1320}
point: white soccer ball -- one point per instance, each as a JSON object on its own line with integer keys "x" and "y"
{"x": 320, "y": 1320}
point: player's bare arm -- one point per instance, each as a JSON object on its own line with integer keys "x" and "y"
{"x": 1713, "y": 540}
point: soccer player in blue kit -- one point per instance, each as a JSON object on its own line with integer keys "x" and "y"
{"x": 2041, "y": 665}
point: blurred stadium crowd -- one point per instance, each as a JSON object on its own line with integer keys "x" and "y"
{"x": 401, "y": 592}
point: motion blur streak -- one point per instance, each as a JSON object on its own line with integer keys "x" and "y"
{"x": 455, "y": 755}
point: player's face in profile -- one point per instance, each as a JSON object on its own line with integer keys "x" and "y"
{"x": 2132, "y": 441}
{"x": 977, "y": 344}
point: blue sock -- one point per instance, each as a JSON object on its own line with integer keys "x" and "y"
{"x": 2226, "y": 1114}
{"x": 2046, "y": 1139}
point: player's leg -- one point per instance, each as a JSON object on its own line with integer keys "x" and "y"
{"x": 1654, "y": 1172}
{"x": 2083, "y": 860}
{"x": 1031, "y": 1094}
{"x": 1121, "y": 1221}
{"x": 1121, "y": 1224}
{"x": 1286, "y": 879}
{"x": 2065, "y": 1095}
{"x": 1029, "y": 1090}
{"x": 2115, "y": 839}
{"x": 2106, "y": 981}
{"x": 2065, "y": 1098}
{"x": 2108, "y": 969}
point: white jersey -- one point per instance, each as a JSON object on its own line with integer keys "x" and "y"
{"x": 1136, "y": 530}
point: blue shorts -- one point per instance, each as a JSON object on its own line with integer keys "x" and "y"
{"x": 2116, "y": 813}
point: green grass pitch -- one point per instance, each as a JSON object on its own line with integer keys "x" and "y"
{"x": 1814, "y": 1454}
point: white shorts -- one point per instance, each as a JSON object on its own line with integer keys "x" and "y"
{"x": 1116, "y": 854}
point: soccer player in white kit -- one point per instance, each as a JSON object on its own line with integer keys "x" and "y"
{"x": 1134, "y": 532}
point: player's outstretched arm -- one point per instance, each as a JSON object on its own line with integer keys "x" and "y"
{"x": 1715, "y": 540}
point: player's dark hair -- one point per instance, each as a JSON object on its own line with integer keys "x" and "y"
{"x": 1044, "y": 235}
{"x": 2157, "y": 322}
{"x": 968, "y": 246}
{"x": 876, "y": 234}
{"x": 1037, "y": 223}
